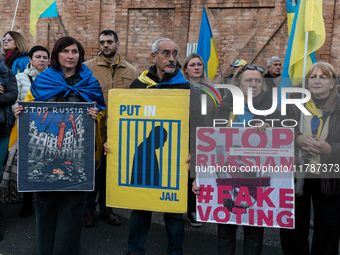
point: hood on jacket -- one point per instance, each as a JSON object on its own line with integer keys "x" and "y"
{"x": 31, "y": 71}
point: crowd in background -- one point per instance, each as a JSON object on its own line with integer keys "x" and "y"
{"x": 25, "y": 75}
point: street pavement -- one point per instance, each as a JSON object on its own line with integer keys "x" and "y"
{"x": 102, "y": 239}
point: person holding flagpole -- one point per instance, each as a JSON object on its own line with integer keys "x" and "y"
{"x": 320, "y": 144}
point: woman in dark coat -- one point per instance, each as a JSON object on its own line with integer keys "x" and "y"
{"x": 320, "y": 145}
{"x": 8, "y": 96}
{"x": 59, "y": 215}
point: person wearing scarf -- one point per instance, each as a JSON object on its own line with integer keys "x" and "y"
{"x": 247, "y": 76}
{"x": 16, "y": 51}
{"x": 59, "y": 215}
{"x": 320, "y": 145}
{"x": 163, "y": 75}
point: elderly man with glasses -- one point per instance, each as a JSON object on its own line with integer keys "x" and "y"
{"x": 163, "y": 75}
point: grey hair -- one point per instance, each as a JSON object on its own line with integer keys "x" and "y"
{"x": 273, "y": 59}
{"x": 154, "y": 48}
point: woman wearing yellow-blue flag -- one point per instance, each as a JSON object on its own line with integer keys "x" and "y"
{"x": 320, "y": 144}
{"x": 59, "y": 215}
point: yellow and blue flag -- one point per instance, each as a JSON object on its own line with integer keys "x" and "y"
{"x": 291, "y": 7}
{"x": 309, "y": 18}
{"x": 41, "y": 9}
{"x": 206, "y": 47}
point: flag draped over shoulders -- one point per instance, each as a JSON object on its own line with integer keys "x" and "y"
{"x": 52, "y": 82}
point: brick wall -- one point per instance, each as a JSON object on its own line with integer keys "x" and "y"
{"x": 250, "y": 29}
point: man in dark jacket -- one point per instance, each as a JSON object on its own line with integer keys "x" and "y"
{"x": 274, "y": 72}
{"x": 164, "y": 75}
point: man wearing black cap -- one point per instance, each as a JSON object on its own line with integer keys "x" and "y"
{"x": 38, "y": 57}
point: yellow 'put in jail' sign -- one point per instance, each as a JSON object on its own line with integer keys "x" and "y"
{"x": 148, "y": 137}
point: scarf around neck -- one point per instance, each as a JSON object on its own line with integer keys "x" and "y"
{"x": 317, "y": 122}
{"x": 178, "y": 79}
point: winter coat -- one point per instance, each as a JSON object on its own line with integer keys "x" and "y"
{"x": 24, "y": 82}
{"x": 270, "y": 81}
{"x": 8, "y": 98}
{"x": 330, "y": 182}
{"x": 124, "y": 74}
{"x": 19, "y": 65}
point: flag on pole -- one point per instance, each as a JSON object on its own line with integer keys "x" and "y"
{"x": 41, "y": 9}
{"x": 206, "y": 47}
{"x": 291, "y": 7}
{"x": 308, "y": 18}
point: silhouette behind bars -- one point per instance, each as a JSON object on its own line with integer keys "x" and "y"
{"x": 144, "y": 158}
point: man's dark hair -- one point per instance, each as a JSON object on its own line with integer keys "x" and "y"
{"x": 37, "y": 48}
{"x": 109, "y": 32}
{"x": 61, "y": 44}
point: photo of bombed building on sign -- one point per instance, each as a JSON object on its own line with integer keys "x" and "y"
{"x": 246, "y": 178}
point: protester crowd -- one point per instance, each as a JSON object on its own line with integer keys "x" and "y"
{"x": 61, "y": 75}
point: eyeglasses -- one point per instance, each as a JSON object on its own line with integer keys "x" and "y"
{"x": 253, "y": 67}
{"x": 166, "y": 54}
{"x": 9, "y": 39}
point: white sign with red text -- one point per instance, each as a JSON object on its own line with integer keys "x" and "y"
{"x": 246, "y": 178}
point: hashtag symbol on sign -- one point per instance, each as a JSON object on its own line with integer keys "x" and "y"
{"x": 205, "y": 193}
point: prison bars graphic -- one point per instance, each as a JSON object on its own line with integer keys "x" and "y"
{"x": 174, "y": 133}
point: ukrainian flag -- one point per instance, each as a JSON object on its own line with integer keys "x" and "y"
{"x": 206, "y": 47}
{"x": 291, "y": 7}
{"x": 41, "y": 9}
{"x": 308, "y": 18}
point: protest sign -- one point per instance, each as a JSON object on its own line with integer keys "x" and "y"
{"x": 148, "y": 136}
{"x": 246, "y": 178}
{"x": 55, "y": 147}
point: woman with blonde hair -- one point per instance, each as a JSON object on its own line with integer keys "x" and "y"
{"x": 194, "y": 71}
{"x": 320, "y": 145}
{"x": 15, "y": 51}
